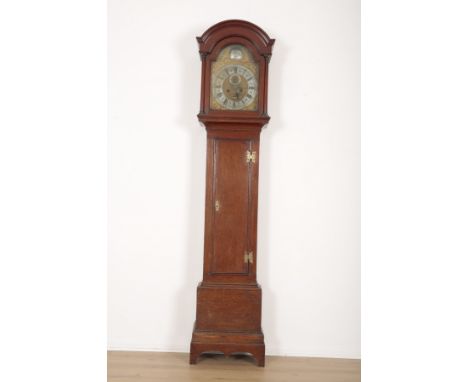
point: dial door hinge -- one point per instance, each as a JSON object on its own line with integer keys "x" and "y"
{"x": 248, "y": 257}
{"x": 250, "y": 156}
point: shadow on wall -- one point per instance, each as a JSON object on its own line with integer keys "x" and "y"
{"x": 185, "y": 298}
{"x": 265, "y": 261}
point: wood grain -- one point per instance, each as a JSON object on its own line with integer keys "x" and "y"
{"x": 173, "y": 367}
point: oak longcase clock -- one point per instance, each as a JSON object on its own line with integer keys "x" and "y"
{"x": 235, "y": 55}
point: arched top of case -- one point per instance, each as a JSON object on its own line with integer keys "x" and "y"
{"x": 235, "y": 28}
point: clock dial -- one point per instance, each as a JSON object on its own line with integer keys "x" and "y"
{"x": 234, "y": 83}
{"x": 235, "y": 87}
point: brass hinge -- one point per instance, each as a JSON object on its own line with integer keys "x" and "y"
{"x": 250, "y": 156}
{"x": 248, "y": 257}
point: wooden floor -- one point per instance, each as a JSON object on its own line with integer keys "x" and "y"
{"x": 174, "y": 367}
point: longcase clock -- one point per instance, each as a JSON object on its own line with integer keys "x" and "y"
{"x": 235, "y": 55}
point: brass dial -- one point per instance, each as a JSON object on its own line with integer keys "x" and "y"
{"x": 234, "y": 80}
{"x": 235, "y": 87}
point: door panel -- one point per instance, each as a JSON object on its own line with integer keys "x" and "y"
{"x": 231, "y": 195}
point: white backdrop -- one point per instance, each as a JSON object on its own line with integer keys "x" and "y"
{"x": 309, "y": 206}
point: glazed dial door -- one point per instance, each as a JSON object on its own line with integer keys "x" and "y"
{"x": 234, "y": 80}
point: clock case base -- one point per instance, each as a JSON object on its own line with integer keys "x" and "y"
{"x": 228, "y": 320}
